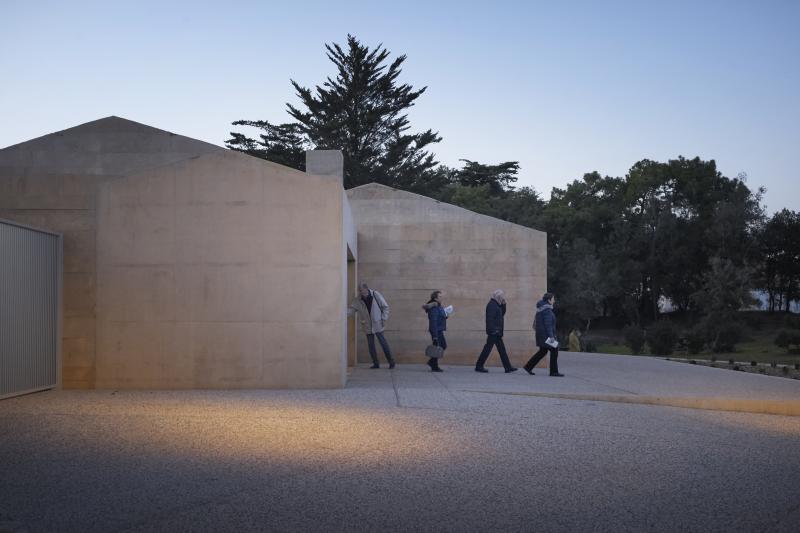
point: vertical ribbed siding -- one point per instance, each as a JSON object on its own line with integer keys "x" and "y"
{"x": 30, "y": 273}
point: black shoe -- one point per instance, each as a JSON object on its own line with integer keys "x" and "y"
{"x": 376, "y": 365}
{"x": 556, "y": 375}
{"x": 430, "y": 363}
{"x": 391, "y": 364}
{"x": 529, "y": 370}
{"x": 436, "y": 369}
{"x": 510, "y": 370}
{"x": 481, "y": 369}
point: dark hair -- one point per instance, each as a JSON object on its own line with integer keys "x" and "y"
{"x": 434, "y": 295}
{"x": 548, "y": 296}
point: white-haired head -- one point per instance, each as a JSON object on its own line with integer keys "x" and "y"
{"x": 363, "y": 289}
{"x": 499, "y": 295}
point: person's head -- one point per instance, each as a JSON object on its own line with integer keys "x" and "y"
{"x": 363, "y": 289}
{"x": 499, "y": 296}
{"x": 549, "y": 297}
{"x": 436, "y": 296}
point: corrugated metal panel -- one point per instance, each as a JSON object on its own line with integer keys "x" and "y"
{"x": 30, "y": 309}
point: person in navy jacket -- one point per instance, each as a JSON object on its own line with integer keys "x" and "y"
{"x": 437, "y": 325}
{"x": 545, "y": 326}
{"x": 495, "y": 313}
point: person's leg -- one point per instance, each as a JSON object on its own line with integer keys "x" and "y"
{"x": 501, "y": 347}
{"x": 554, "y": 362}
{"x": 386, "y": 350}
{"x": 487, "y": 348}
{"x": 442, "y": 343}
{"x": 372, "y": 353}
{"x": 535, "y": 358}
{"x": 432, "y": 360}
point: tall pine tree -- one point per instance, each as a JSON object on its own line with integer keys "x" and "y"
{"x": 361, "y": 111}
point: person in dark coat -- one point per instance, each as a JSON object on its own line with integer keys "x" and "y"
{"x": 495, "y": 313}
{"x": 437, "y": 325}
{"x": 545, "y": 326}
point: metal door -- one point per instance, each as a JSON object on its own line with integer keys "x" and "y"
{"x": 30, "y": 309}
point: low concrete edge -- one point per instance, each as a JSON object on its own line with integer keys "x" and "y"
{"x": 741, "y": 405}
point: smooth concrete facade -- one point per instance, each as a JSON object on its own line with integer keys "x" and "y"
{"x": 223, "y": 271}
{"x": 51, "y": 182}
{"x": 191, "y": 266}
{"x": 411, "y": 245}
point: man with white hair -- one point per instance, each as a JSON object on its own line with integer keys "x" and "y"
{"x": 495, "y": 313}
{"x": 373, "y": 311}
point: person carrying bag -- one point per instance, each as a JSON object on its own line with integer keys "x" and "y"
{"x": 437, "y": 324}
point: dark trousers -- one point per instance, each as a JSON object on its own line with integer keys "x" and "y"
{"x": 492, "y": 341}
{"x": 538, "y": 356}
{"x": 437, "y": 340}
{"x": 384, "y": 345}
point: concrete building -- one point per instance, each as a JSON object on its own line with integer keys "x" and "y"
{"x": 190, "y": 266}
{"x": 411, "y": 245}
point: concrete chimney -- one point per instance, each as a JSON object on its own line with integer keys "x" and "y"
{"x": 325, "y": 163}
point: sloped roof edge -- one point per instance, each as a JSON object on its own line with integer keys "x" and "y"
{"x": 375, "y": 185}
{"x": 105, "y": 121}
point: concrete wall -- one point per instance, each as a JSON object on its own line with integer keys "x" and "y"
{"x": 223, "y": 271}
{"x": 410, "y": 245}
{"x": 50, "y": 182}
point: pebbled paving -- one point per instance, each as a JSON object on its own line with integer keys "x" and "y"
{"x": 403, "y": 450}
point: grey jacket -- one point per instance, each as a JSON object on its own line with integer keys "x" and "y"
{"x": 371, "y": 322}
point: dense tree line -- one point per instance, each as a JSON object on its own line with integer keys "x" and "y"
{"x": 675, "y": 232}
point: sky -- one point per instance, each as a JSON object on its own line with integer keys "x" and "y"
{"x": 564, "y": 88}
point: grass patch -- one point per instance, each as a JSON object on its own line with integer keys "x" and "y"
{"x": 617, "y": 349}
{"x": 759, "y": 348}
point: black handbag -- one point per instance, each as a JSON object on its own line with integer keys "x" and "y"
{"x": 434, "y": 351}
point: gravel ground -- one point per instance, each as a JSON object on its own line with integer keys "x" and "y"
{"x": 403, "y": 450}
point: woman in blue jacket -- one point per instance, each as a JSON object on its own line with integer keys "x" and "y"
{"x": 545, "y": 325}
{"x": 437, "y": 324}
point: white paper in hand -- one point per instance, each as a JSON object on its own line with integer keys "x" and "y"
{"x": 448, "y": 310}
{"x": 551, "y": 342}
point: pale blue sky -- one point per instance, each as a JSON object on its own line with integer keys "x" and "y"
{"x": 563, "y": 87}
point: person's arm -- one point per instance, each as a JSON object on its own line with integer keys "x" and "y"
{"x": 384, "y": 307}
{"x": 494, "y": 316}
{"x": 503, "y": 308}
{"x": 549, "y": 325}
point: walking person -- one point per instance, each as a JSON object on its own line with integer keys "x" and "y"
{"x": 373, "y": 312}
{"x": 437, "y": 325}
{"x": 495, "y": 313}
{"x": 545, "y": 326}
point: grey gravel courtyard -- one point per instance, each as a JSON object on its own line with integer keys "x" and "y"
{"x": 409, "y": 450}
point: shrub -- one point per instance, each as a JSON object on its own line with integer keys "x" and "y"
{"x": 782, "y": 340}
{"x": 661, "y": 338}
{"x": 753, "y": 363}
{"x": 713, "y": 358}
{"x": 589, "y": 346}
{"x": 785, "y": 369}
{"x": 773, "y": 364}
{"x": 726, "y": 336}
{"x": 634, "y": 338}
{"x": 788, "y": 338}
{"x": 696, "y": 340}
{"x": 791, "y": 321}
{"x": 797, "y": 366}
{"x": 731, "y": 361}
